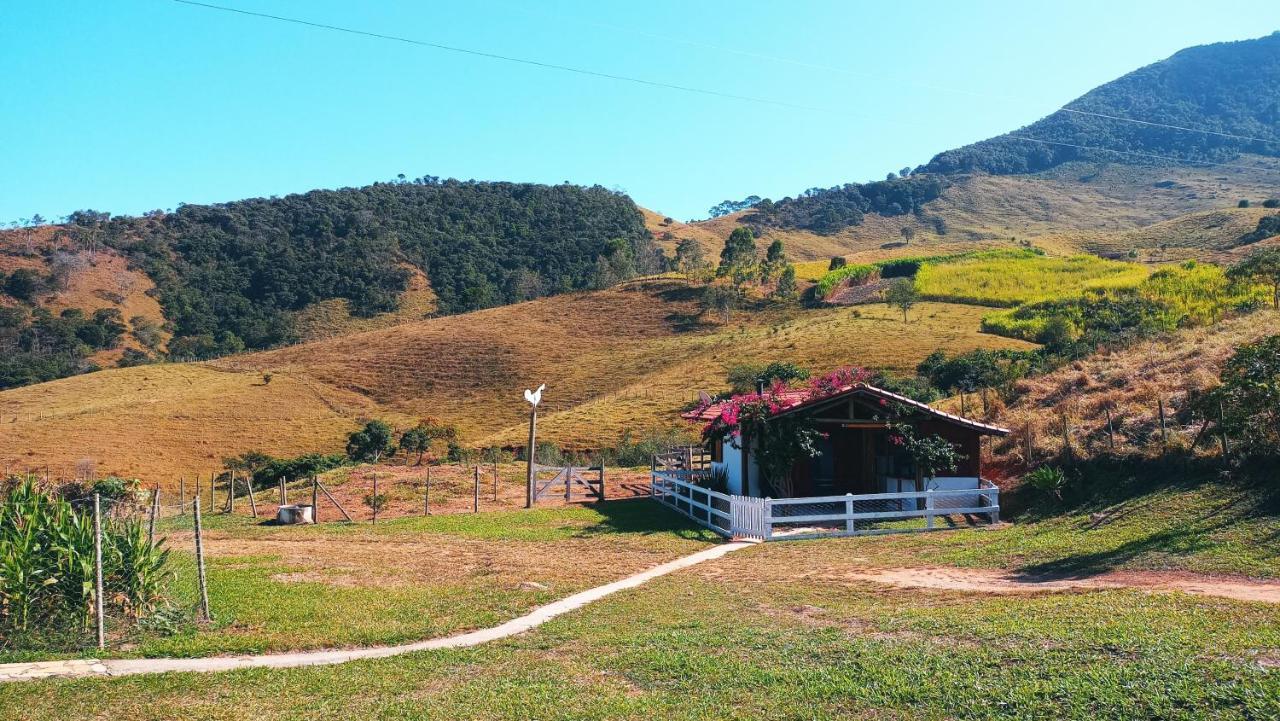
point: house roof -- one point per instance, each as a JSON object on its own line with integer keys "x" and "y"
{"x": 792, "y": 401}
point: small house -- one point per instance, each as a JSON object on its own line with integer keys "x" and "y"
{"x": 856, "y": 451}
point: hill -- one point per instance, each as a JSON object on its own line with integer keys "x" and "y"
{"x": 630, "y": 375}
{"x": 1225, "y": 89}
{"x": 263, "y": 272}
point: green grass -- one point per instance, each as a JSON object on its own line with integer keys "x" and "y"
{"x": 297, "y": 587}
{"x": 717, "y": 642}
{"x": 1013, "y": 277}
{"x": 1213, "y": 528}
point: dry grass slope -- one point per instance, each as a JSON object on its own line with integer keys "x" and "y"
{"x": 615, "y": 360}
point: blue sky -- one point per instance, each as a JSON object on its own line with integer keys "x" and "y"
{"x": 131, "y": 105}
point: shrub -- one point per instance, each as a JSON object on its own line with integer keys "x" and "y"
{"x": 837, "y": 262}
{"x": 1271, "y": 203}
{"x": 850, "y": 274}
{"x": 1047, "y": 479}
{"x": 370, "y": 443}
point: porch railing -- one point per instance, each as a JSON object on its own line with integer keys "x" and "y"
{"x": 820, "y": 516}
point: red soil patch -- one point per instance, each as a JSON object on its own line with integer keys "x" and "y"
{"x": 1004, "y": 582}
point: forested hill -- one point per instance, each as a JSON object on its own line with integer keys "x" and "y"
{"x": 1228, "y": 88}
{"x": 230, "y": 275}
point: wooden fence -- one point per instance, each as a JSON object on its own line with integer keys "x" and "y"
{"x": 822, "y": 516}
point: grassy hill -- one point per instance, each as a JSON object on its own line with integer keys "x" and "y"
{"x": 1223, "y": 88}
{"x": 618, "y": 360}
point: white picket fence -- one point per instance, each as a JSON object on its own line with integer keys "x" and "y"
{"x": 821, "y": 516}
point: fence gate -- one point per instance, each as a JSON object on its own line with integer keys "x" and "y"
{"x": 749, "y": 517}
{"x": 566, "y": 480}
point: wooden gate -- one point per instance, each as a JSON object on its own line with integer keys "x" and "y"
{"x": 588, "y": 481}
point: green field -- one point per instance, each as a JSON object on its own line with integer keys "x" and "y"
{"x": 1013, "y": 277}
{"x": 778, "y": 631}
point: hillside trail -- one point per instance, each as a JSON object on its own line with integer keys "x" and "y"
{"x": 81, "y": 668}
{"x": 981, "y": 580}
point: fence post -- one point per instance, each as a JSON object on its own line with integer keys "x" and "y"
{"x": 495, "y": 478}
{"x": 850, "y": 526}
{"x": 200, "y": 576}
{"x": 568, "y": 478}
{"x": 231, "y": 493}
{"x": 1111, "y": 431}
{"x": 253, "y": 503}
{"x": 475, "y": 497}
{"x": 602, "y": 479}
{"x": 426, "y": 494}
{"x": 1222, "y": 433}
{"x": 375, "y": 497}
{"x": 155, "y": 511}
{"x": 1164, "y": 433}
{"x": 315, "y": 500}
{"x": 768, "y": 518}
{"x": 182, "y": 495}
{"x": 97, "y": 569}
{"x": 928, "y": 510}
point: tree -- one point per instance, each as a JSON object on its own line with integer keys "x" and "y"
{"x": 248, "y": 462}
{"x": 1262, "y": 266}
{"x": 1244, "y": 203}
{"x": 423, "y": 436}
{"x": 743, "y": 377}
{"x": 774, "y": 259}
{"x": 902, "y": 294}
{"x": 1271, "y": 203}
{"x": 1247, "y": 404}
{"x": 786, "y": 290}
{"x": 689, "y": 255}
{"x": 908, "y": 234}
{"x": 23, "y": 284}
{"x": 739, "y": 250}
{"x": 837, "y": 262}
{"x": 371, "y": 442}
{"x": 721, "y": 300}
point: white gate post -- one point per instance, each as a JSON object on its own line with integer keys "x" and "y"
{"x": 850, "y": 526}
{"x": 768, "y": 518}
{"x": 928, "y": 507}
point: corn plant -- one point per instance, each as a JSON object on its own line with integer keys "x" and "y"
{"x": 47, "y": 579}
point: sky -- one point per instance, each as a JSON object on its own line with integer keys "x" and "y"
{"x": 132, "y": 105}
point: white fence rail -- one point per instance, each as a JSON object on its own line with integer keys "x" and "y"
{"x": 819, "y": 516}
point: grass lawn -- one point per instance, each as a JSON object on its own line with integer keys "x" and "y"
{"x": 1212, "y": 528}
{"x": 332, "y": 585}
{"x": 720, "y": 641}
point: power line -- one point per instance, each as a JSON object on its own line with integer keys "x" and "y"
{"x": 685, "y": 88}
{"x": 875, "y": 76}
{"x": 496, "y": 56}
{"x": 1140, "y": 154}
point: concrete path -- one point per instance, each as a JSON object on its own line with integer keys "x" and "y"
{"x": 127, "y": 667}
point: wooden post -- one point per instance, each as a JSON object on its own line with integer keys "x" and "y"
{"x": 231, "y": 493}
{"x": 182, "y": 495}
{"x": 964, "y": 409}
{"x": 1164, "y": 432}
{"x": 155, "y": 511}
{"x": 602, "y": 479}
{"x": 1222, "y": 433}
{"x": 97, "y": 569}
{"x": 200, "y": 575}
{"x": 530, "y": 452}
{"x": 197, "y": 486}
{"x": 568, "y": 476}
{"x": 1030, "y": 446}
{"x": 253, "y": 503}
{"x": 315, "y": 500}
{"x": 375, "y": 497}
{"x": 1066, "y": 438}
{"x": 334, "y": 501}
{"x": 495, "y": 478}
{"x": 475, "y": 498}
{"x": 426, "y": 493}
{"x": 1111, "y": 431}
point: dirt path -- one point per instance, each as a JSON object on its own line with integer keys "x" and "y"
{"x": 981, "y": 580}
{"x": 127, "y": 667}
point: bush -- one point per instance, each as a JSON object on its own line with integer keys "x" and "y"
{"x": 1271, "y": 203}
{"x": 1047, "y": 479}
